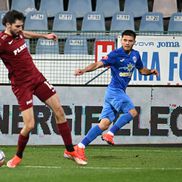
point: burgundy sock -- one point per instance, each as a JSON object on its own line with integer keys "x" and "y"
{"x": 22, "y": 142}
{"x": 65, "y": 132}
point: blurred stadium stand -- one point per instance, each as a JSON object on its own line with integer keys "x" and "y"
{"x": 93, "y": 21}
{"x": 76, "y": 45}
{"x": 25, "y": 6}
{"x": 2, "y": 13}
{"x": 175, "y": 23}
{"x": 45, "y": 46}
{"x": 122, "y": 21}
{"x": 166, "y": 7}
{"x": 36, "y": 21}
{"x": 138, "y": 7}
{"x": 107, "y": 7}
{"x": 27, "y": 41}
{"x": 4, "y": 5}
{"x": 51, "y": 7}
{"x": 152, "y": 22}
{"x": 79, "y": 7}
{"x": 64, "y": 21}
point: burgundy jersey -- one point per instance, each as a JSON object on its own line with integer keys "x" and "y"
{"x": 17, "y": 59}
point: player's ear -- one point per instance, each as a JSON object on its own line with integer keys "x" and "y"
{"x": 8, "y": 25}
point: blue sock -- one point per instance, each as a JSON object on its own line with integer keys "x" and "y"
{"x": 121, "y": 121}
{"x": 91, "y": 135}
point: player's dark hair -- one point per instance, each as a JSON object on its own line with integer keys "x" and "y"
{"x": 12, "y": 16}
{"x": 130, "y": 33}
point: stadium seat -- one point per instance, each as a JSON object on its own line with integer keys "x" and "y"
{"x": 25, "y": 6}
{"x": 36, "y": 21}
{"x": 106, "y": 38}
{"x": 79, "y": 7}
{"x": 122, "y": 21}
{"x": 175, "y": 22}
{"x": 107, "y": 7}
{"x": 51, "y": 7}
{"x": 76, "y": 45}
{"x": 2, "y": 13}
{"x": 45, "y": 46}
{"x": 4, "y": 5}
{"x": 93, "y": 21}
{"x": 137, "y": 7}
{"x": 64, "y": 21}
{"x": 93, "y": 24}
{"x": 166, "y": 7}
{"x": 152, "y": 22}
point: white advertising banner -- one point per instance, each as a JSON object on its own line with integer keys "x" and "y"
{"x": 159, "y": 120}
{"x": 163, "y": 53}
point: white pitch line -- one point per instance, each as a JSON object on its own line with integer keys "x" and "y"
{"x": 107, "y": 168}
{"x": 142, "y": 150}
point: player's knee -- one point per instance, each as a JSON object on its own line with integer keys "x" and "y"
{"x": 59, "y": 113}
{"x": 104, "y": 124}
{"x": 133, "y": 112}
{"x": 30, "y": 126}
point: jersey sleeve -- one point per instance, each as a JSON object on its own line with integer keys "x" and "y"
{"x": 1, "y": 46}
{"x": 139, "y": 63}
{"x": 109, "y": 60}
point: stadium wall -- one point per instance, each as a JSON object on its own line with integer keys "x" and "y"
{"x": 158, "y": 122}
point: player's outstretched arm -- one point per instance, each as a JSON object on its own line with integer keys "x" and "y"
{"x": 89, "y": 68}
{"x": 146, "y": 71}
{"x": 30, "y": 35}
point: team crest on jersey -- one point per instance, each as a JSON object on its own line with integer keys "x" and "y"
{"x": 130, "y": 67}
{"x": 134, "y": 59}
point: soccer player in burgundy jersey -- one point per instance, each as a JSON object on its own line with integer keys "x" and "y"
{"x": 26, "y": 81}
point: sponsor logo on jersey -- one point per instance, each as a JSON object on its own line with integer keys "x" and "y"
{"x": 122, "y": 60}
{"x": 29, "y": 102}
{"x": 125, "y": 74}
{"x": 10, "y": 42}
{"x": 21, "y": 48}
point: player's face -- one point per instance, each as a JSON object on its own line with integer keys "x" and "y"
{"x": 127, "y": 42}
{"x": 16, "y": 28}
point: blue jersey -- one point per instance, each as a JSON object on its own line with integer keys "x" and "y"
{"x": 122, "y": 66}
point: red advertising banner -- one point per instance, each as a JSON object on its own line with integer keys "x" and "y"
{"x": 102, "y": 48}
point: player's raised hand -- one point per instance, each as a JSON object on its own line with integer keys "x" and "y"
{"x": 155, "y": 72}
{"x": 79, "y": 72}
{"x": 52, "y": 36}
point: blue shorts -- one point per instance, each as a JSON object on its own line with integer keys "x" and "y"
{"x": 116, "y": 101}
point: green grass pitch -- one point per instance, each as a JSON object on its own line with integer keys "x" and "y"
{"x": 105, "y": 164}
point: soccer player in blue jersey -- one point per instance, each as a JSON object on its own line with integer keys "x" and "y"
{"x": 122, "y": 63}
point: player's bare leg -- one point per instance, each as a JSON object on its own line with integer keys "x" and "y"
{"x": 64, "y": 129}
